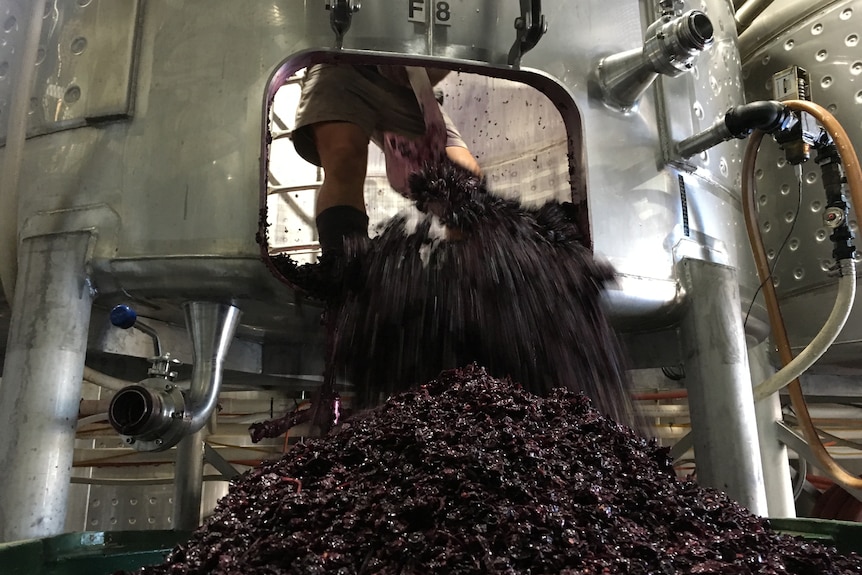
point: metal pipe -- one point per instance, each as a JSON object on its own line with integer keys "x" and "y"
{"x": 748, "y": 12}
{"x": 739, "y": 122}
{"x": 88, "y": 407}
{"x": 16, "y": 134}
{"x": 724, "y": 427}
{"x": 154, "y": 335}
{"x": 41, "y": 384}
{"x": 670, "y": 47}
{"x": 773, "y": 453}
{"x": 211, "y": 327}
{"x": 188, "y": 487}
{"x": 155, "y": 415}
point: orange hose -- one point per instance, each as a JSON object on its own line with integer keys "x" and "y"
{"x": 779, "y": 332}
{"x": 820, "y": 482}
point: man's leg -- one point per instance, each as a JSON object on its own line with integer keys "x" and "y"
{"x": 340, "y": 205}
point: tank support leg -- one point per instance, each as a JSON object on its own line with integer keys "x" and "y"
{"x": 41, "y": 386}
{"x": 188, "y": 485}
{"x": 724, "y": 427}
{"x": 773, "y": 453}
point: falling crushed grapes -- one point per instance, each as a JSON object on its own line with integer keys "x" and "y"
{"x": 526, "y": 465}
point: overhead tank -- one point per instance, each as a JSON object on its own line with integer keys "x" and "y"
{"x": 147, "y": 140}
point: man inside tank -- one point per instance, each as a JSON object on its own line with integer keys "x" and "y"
{"x": 344, "y": 107}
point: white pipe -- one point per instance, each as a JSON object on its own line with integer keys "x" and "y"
{"x": 16, "y": 134}
{"x": 104, "y": 380}
{"x": 773, "y": 453}
{"x": 821, "y": 342}
{"x": 136, "y": 482}
{"x": 112, "y": 383}
{"x": 98, "y": 418}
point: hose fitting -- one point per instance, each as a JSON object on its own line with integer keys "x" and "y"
{"x": 670, "y": 47}
{"x": 836, "y": 214}
{"x": 155, "y": 415}
{"x": 768, "y": 116}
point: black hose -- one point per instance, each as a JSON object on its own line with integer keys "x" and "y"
{"x": 768, "y": 116}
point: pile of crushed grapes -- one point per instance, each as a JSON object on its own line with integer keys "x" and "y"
{"x": 470, "y": 474}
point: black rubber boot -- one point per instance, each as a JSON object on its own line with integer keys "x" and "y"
{"x": 337, "y": 223}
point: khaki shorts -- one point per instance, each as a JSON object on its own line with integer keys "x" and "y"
{"x": 362, "y": 96}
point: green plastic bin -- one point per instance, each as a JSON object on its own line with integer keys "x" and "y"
{"x": 845, "y": 536}
{"x": 88, "y": 552}
{"x": 102, "y": 553}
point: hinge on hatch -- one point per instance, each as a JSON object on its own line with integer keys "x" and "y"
{"x": 671, "y": 9}
{"x": 530, "y": 27}
{"x": 340, "y": 16}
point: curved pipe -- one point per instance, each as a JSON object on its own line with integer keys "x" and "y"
{"x": 90, "y": 419}
{"x": 854, "y": 179}
{"x": 821, "y": 342}
{"x": 211, "y": 327}
{"x": 16, "y": 134}
{"x": 155, "y": 415}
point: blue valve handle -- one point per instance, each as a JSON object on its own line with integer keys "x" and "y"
{"x": 123, "y": 316}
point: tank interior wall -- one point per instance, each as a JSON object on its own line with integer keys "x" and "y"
{"x": 823, "y": 38}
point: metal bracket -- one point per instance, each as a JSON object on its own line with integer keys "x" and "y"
{"x": 340, "y": 16}
{"x": 680, "y": 448}
{"x": 671, "y": 8}
{"x": 530, "y": 27}
{"x": 222, "y": 465}
{"x": 797, "y": 443}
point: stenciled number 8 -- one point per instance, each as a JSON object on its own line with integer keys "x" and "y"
{"x": 443, "y": 12}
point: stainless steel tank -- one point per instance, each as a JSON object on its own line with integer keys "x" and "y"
{"x": 823, "y": 38}
{"x": 152, "y": 118}
{"x": 148, "y": 126}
